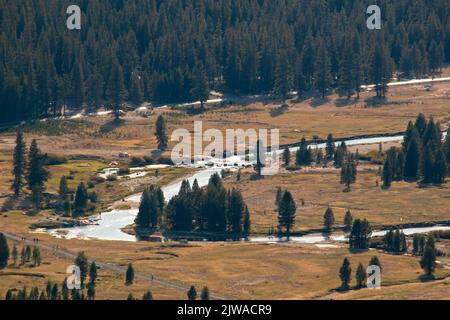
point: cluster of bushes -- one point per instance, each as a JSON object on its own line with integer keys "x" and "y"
{"x": 146, "y": 161}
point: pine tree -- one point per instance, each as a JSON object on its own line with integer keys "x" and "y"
{"x": 421, "y": 124}
{"x": 63, "y": 189}
{"x": 440, "y": 167}
{"x": 77, "y": 81}
{"x": 381, "y": 68}
{"x": 428, "y": 261}
{"x": 4, "y": 251}
{"x": 345, "y": 274}
{"x": 14, "y": 254}
{"x": 361, "y": 276}
{"x": 37, "y": 173}
{"x": 322, "y": 68}
{"x": 374, "y": 261}
{"x": 413, "y": 159}
{"x": 428, "y": 164}
{"x": 91, "y": 291}
{"x": 36, "y": 257}
{"x": 136, "y": 91}
{"x": 28, "y": 253}
{"x": 129, "y": 275}
{"x": 328, "y": 220}
{"x": 348, "y": 173}
{"x": 388, "y": 172}
{"x": 115, "y": 90}
{"x": 348, "y": 220}
{"x": 247, "y": 223}
{"x": 81, "y": 262}
{"x": 286, "y": 213}
{"x": 19, "y": 164}
{"x": 200, "y": 90}
{"x": 161, "y": 133}
{"x": 92, "y": 272}
{"x": 205, "y": 293}
{"x": 147, "y": 296}
{"x": 330, "y": 147}
{"x": 192, "y": 293}
{"x": 360, "y": 235}
{"x": 286, "y": 157}
{"x": 259, "y": 157}
{"x": 283, "y": 80}
{"x": 81, "y": 199}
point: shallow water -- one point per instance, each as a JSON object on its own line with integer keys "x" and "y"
{"x": 110, "y": 223}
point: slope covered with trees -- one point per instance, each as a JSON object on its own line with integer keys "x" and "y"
{"x": 175, "y": 50}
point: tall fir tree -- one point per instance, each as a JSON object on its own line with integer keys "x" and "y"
{"x": 19, "y": 162}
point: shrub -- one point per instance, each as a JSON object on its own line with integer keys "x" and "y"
{"x": 112, "y": 177}
{"x": 123, "y": 171}
{"x": 165, "y": 160}
{"x": 53, "y": 160}
{"x": 148, "y": 160}
{"x": 137, "y": 162}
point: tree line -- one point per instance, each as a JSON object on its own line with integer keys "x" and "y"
{"x": 210, "y": 209}
{"x": 423, "y": 157}
{"x": 128, "y": 51}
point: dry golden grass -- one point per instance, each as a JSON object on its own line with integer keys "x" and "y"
{"x": 321, "y": 188}
{"x": 436, "y": 290}
{"x": 109, "y": 286}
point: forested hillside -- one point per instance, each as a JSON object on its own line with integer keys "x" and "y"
{"x": 175, "y": 50}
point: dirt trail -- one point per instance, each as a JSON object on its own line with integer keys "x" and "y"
{"x": 106, "y": 265}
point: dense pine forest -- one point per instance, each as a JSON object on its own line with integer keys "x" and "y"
{"x": 177, "y": 50}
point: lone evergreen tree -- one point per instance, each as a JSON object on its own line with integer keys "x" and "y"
{"x": 192, "y": 293}
{"x": 37, "y": 173}
{"x": 4, "y": 251}
{"x": 286, "y": 213}
{"x": 428, "y": 261}
{"x": 14, "y": 254}
{"x": 247, "y": 223}
{"x": 129, "y": 276}
{"x": 19, "y": 164}
{"x": 345, "y": 274}
{"x": 205, "y": 293}
{"x": 361, "y": 276}
{"x": 160, "y": 133}
{"x": 81, "y": 262}
{"x": 147, "y": 296}
{"x": 348, "y": 220}
{"x": 92, "y": 272}
{"x": 328, "y": 220}
{"x": 286, "y": 157}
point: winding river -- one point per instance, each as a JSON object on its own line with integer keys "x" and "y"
{"x": 109, "y": 224}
